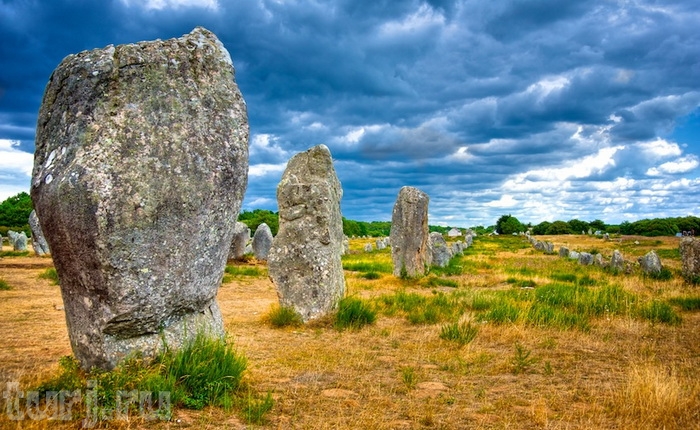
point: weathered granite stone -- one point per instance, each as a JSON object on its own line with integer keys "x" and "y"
{"x": 563, "y": 252}
{"x": 539, "y": 245}
{"x": 617, "y": 262}
{"x": 346, "y": 245}
{"x": 573, "y": 255}
{"x": 139, "y": 149}
{"x": 368, "y": 247}
{"x": 689, "y": 248}
{"x": 304, "y": 261}
{"x": 469, "y": 239}
{"x": 19, "y": 242}
{"x": 441, "y": 252}
{"x": 241, "y": 236}
{"x": 457, "y": 248}
{"x": 585, "y": 258}
{"x": 380, "y": 244}
{"x": 598, "y": 260}
{"x": 248, "y": 249}
{"x": 262, "y": 241}
{"x": 548, "y": 248}
{"x": 650, "y": 263}
{"x": 38, "y": 240}
{"x": 410, "y": 247}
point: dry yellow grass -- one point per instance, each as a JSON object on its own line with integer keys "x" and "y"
{"x": 624, "y": 373}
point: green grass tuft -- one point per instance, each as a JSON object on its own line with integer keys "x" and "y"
{"x": 51, "y": 275}
{"x": 659, "y": 312}
{"x": 370, "y": 275}
{"x": 283, "y": 316}
{"x": 354, "y": 313}
{"x": 245, "y": 271}
{"x": 686, "y": 303}
{"x": 462, "y": 333}
{"x": 4, "y": 286}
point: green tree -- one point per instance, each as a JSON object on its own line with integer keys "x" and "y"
{"x": 14, "y": 212}
{"x": 578, "y": 226}
{"x": 508, "y": 224}
{"x": 559, "y": 227}
{"x": 258, "y": 216}
{"x": 598, "y": 225}
{"x": 541, "y": 228}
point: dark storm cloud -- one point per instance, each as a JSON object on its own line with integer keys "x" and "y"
{"x": 539, "y": 108}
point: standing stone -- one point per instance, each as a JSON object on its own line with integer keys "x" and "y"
{"x": 689, "y": 248}
{"x": 38, "y": 240}
{"x": 563, "y": 252}
{"x": 304, "y": 262}
{"x": 19, "y": 243}
{"x": 441, "y": 252}
{"x": 548, "y": 248}
{"x": 368, "y": 247}
{"x": 574, "y": 255}
{"x": 410, "y": 248}
{"x": 139, "y": 149}
{"x": 380, "y": 244}
{"x": 585, "y": 258}
{"x": 262, "y": 241}
{"x": 617, "y": 262}
{"x": 241, "y": 236}
{"x": 346, "y": 245}
{"x": 598, "y": 260}
{"x": 650, "y": 263}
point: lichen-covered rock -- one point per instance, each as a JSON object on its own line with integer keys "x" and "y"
{"x": 617, "y": 262}
{"x": 241, "y": 236}
{"x": 304, "y": 261}
{"x": 368, "y": 247}
{"x": 38, "y": 240}
{"x": 650, "y": 263}
{"x": 441, "y": 253}
{"x": 585, "y": 258}
{"x": 19, "y": 241}
{"x": 139, "y": 149}
{"x": 410, "y": 247}
{"x": 262, "y": 241}
{"x": 689, "y": 248}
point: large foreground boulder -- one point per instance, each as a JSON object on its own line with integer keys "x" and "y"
{"x": 304, "y": 261}
{"x": 140, "y": 149}
{"x": 410, "y": 247}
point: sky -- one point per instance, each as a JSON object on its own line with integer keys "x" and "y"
{"x": 541, "y": 109}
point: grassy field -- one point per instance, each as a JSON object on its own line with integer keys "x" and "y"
{"x": 504, "y": 337}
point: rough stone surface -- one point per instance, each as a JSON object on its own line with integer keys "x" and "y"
{"x": 548, "y": 247}
{"x": 368, "y": 247}
{"x": 262, "y": 241}
{"x": 573, "y": 255}
{"x": 650, "y": 263}
{"x": 304, "y": 261}
{"x": 441, "y": 252}
{"x": 563, "y": 252}
{"x": 585, "y": 258}
{"x": 410, "y": 248}
{"x": 598, "y": 260}
{"x": 689, "y": 248}
{"x": 139, "y": 149}
{"x": 19, "y": 241}
{"x": 380, "y": 244}
{"x": 38, "y": 240}
{"x": 241, "y": 236}
{"x": 617, "y": 262}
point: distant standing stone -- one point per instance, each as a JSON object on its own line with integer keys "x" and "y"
{"x": 617, "y": 262}
{"x": 241, "y": 236}
{"x": 585, "y": 258}
{"x": 20, "y": 242}
{"x": 441, "y": 252}
{"x": 368, "y": 247}
{"x": 380, "y": 244}
{"x": 650, "y": 263}
{"x": 304, "y": 261}
{"x": 689, "y": 248}
{"x": 262, "y": 241}
{"x": 38, "y": 240}
{"x": 141, "y": 148}
{"x": 410, "y": 248}
{"x": 563, "y": 252}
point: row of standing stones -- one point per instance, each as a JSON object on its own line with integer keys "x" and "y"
{"x": 143, "y": 147}
{"x": 650, "y": 263}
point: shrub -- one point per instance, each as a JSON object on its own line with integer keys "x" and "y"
{"x": 462, "y": 333}
{"x": 283, "y": 316}
{"x": 353, "y": 313}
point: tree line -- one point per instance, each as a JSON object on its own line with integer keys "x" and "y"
{"x": 15, "y": 210}
{"x": 508, "y": 224}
